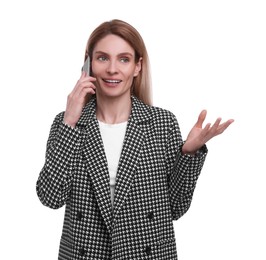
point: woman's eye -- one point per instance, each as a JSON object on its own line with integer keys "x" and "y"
{"x": 102, "y": 58}
{"x": 124, "y": 59}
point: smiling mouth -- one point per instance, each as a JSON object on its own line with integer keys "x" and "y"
{"x": 112, "y": 81}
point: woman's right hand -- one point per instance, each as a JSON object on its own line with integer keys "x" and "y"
{"x": 77, "y": 99}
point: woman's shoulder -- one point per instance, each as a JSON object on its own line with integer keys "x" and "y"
{"x": 161, "y": 112}
{"x": 153, "y": 109}
{"x": 158, "y": 114}
{"x": 162, "y": 116}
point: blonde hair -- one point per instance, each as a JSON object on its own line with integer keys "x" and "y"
{"x": 141, "y": 86}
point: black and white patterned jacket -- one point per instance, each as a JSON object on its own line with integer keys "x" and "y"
{"x": 154, "y": 186}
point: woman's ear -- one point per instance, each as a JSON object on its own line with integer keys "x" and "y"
{"x": 138, "y": 67}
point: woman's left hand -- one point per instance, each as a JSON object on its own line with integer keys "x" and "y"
{"x": 199, "y": 136}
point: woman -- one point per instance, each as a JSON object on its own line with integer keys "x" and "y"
{"x": 118, "y": 163}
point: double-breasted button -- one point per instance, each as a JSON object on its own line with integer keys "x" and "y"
{"x": 150, "y": 215}
{"x": 79, "y": 215}
{"x": 148, "y": 250}
{"x": 82, "y": 251}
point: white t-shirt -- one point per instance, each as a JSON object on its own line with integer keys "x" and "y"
{"x": 113, "y": 136}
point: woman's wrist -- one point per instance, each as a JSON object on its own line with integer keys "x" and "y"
{"x": 71, "y": 124}
{"x": 197, "y": 152}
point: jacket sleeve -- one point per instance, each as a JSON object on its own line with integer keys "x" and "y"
{"x": 183, "y": 172}
{"x": 55, "y": 179}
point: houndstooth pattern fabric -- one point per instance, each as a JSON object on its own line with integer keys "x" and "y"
{"x": 154, "y": 186}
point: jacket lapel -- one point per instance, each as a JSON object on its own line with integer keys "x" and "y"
{"x": 132, "y": 147}
{"x": 97, "y": 162}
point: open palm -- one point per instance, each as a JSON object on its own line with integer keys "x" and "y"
{"x": 199, "y": 136}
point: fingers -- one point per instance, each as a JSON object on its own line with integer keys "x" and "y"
{"x": 216, "y": 125}
{"x": 201, "y": 118}
{"x": 77, "y": 99}
{"x": 205, "y": 130}
{"x": 84, "y": 85}
{"x": 224, "y": 125}
{"x": 216, "y": 129}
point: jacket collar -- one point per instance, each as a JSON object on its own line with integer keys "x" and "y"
{"x": 139, "y": 113}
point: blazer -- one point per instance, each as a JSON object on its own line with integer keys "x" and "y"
{"x": 154, "y": 186}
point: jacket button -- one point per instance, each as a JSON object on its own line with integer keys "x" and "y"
{"x": 148, "y": 250}
{"x": 82, "y": 251}
{"x": 150, "y": 215}
{"x": 79, "y": 215}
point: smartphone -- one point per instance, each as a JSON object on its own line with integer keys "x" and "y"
{"x": 86, "y": 67}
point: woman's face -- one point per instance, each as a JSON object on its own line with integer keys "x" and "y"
{"x": 114, "y": 67}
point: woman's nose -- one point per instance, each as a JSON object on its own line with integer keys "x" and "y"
{"x": 112, "y": 67}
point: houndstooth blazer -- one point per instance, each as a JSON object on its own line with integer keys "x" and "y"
{"x": 154, "y": 186}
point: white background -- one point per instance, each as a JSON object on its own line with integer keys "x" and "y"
{"x": 204, "y": 54}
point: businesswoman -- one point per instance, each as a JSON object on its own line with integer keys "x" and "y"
{"x": 116, "y": 162}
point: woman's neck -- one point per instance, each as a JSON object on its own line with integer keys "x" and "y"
{"x": 113, "y": 110}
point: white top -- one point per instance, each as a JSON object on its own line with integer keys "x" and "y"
{"x": 113, "y": 136}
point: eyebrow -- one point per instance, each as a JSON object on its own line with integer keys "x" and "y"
{"x": 120, "y": 54}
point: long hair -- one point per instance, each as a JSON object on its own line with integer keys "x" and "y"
{"x": 141, "y": 86}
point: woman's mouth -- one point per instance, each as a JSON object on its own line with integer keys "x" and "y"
{"x": 112, "y": 82}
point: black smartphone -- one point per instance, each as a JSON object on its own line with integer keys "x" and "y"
{"x": 86, "y": 67}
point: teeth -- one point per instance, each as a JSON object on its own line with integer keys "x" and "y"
{"x": 112, "y": 81}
